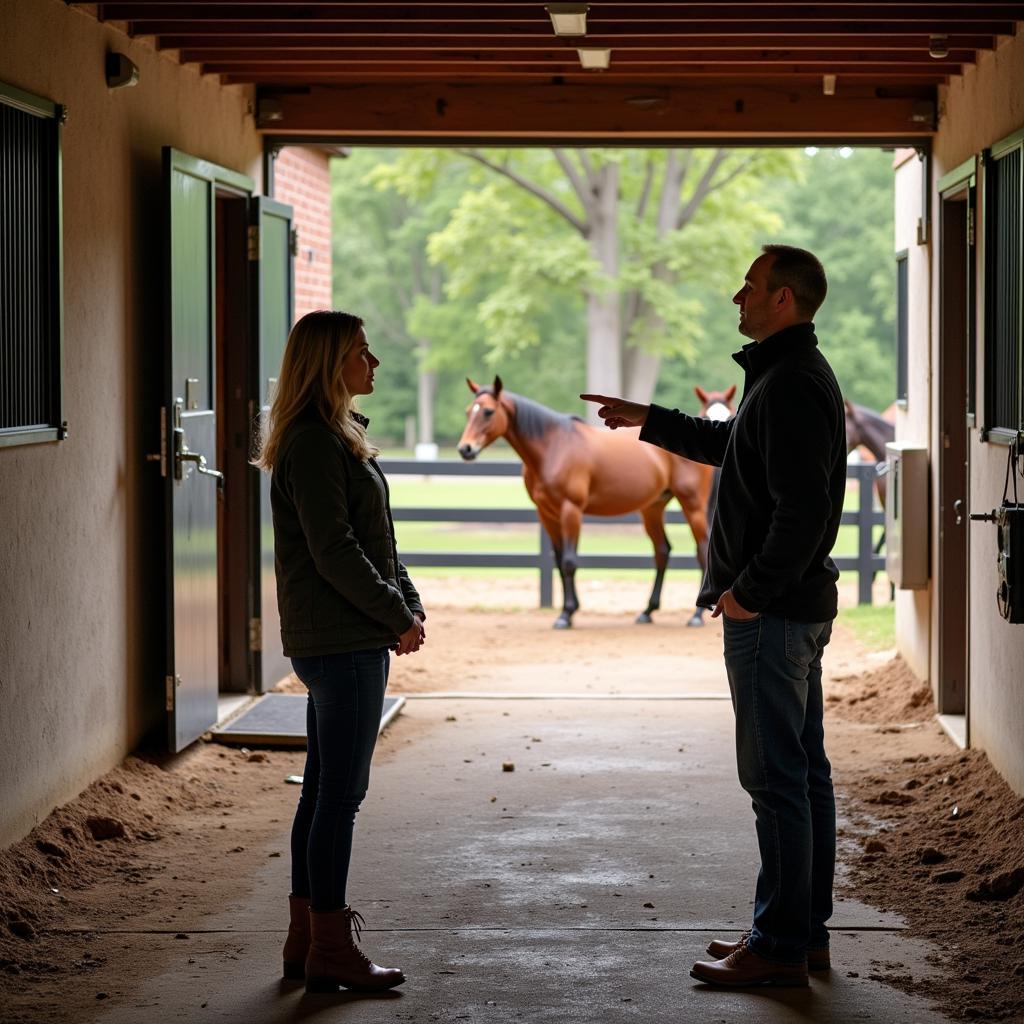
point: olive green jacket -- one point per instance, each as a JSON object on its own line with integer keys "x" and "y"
{"x": 340, "y": 585}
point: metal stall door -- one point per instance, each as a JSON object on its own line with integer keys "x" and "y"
{"x": 189, "y": 437}
{"x": 270, "y": 254}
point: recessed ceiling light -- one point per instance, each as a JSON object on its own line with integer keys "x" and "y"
{"x": 568, "y": 19}
{"x": 938, "y": 46}
{"x": 594, "y": 59}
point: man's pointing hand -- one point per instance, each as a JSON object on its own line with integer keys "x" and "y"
{"x": 617, "y": 412}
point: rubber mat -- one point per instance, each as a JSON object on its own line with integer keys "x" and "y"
{"x": 279, "y": 719}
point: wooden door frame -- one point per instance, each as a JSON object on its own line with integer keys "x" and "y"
{"x": 956, "y": 311}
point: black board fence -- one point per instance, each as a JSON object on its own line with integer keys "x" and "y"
{"x": 865, "y": 563}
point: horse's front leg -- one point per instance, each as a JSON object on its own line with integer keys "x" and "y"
{"x": 570, "y": 520}
{"x": 654, "y": 524}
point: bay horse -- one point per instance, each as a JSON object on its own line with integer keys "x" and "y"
{"x": 571, "y": 468}
{"x": 871, "y": 429}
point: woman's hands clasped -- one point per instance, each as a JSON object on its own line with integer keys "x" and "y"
{"x": 412, "y": 639}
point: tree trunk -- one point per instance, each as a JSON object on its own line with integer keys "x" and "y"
{"x": 426, "y": 389}
{"x": 426, "y": 383}
{"x": 604, "y": 341}
{"x": 640, "y": 366}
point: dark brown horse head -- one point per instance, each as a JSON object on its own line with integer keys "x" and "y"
{"x": 486, "y": 419}
{"x": 866, "y": 427}
{"x": 716, "y": 405}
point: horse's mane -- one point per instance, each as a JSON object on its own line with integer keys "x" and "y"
{"x": 534, "y": 420}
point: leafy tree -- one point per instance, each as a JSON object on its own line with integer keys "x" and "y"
{"x": 543, "y": 230}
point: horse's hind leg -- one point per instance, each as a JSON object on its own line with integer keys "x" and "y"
{"x": 694, "y": 508}
{"x": 654, "y": 524}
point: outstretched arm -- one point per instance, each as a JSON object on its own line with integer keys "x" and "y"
{"x": 693, "y": 437}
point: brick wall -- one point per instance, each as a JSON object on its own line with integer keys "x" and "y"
{"x": 302, "y": 179}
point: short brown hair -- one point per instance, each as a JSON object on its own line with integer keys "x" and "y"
{"x": 801, "y": 272}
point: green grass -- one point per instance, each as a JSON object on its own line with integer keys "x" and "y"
{"x": 873, "y": 625}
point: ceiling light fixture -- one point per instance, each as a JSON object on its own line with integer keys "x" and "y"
{"x": 594, "y": 59}
{"x": 568, "y": 19}
{"x": 938, "y": 46}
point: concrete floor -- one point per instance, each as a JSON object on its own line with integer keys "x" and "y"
{"x": 521, "y": 895}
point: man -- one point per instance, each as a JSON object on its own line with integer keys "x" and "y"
{"x": 771, "y": 578}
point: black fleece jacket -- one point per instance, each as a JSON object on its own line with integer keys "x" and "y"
{"x": 780, "y": 496}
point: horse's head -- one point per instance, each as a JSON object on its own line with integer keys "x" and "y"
{"x": 716, "y": 405}
{"x": 486, "y": 419}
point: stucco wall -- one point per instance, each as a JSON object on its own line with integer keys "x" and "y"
{"x": 984, "y": 106}
{"x": 81, "y": 672}
{"x": 913, "y": 419}
{"x": 980, "y": 108}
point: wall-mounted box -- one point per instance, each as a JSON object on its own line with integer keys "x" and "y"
{"x": 906, "y": 516}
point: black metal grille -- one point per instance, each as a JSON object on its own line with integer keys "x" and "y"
{"x": 1004, "y": 343}
{"x": 901, "y": 327}
{"x": 29, "y": 335}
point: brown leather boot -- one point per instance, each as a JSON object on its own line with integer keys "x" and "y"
{"x": 296, "y": 945}
{"x": 335, "y": 961}
{"x": 817, "y": 959}
{"x": 744, "y": 967}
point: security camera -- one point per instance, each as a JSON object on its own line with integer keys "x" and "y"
{"x": 121, "y": 72}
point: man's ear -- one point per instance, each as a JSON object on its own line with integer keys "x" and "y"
{"x": 473, "y": 386}
{"x": 497, "y": 386}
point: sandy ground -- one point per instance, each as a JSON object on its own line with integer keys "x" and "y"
{"x": 928, "y": 831}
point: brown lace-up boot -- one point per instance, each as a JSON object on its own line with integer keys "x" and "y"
{"x": 335, "y": 961}
{"x": 817, "y": 959}
{"x": 296, "y": 946}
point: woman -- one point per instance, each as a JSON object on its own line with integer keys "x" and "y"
{"x": 345, "y": 602}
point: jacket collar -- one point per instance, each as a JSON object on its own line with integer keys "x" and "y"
{"x": 756, "y": 356}
{"x": 362, "y": 420}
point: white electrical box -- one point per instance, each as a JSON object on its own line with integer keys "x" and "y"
{"x": 906, "y": 516}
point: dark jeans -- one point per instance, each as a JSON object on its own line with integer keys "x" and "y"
{"x": 774, "y": 668}
{"x": 346, "y": 697}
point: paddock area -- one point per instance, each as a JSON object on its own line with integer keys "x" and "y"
{"x": 580, "y": 885}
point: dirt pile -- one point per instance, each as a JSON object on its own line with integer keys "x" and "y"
{"x": 100, "y": 837}
{"x": 888, "y": 695}
{"x": 938, "y": 839}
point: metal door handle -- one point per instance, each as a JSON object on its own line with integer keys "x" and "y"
{"x": 958, "y": 510}
{"x": 200, "y": 462}
{"x": 183, "y": 454}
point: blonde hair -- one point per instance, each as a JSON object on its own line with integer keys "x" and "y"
{"x": 311, "y": 376}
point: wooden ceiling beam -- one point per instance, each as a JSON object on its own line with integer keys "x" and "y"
{"x": 666, "y": 41}
{"x": 270, "y": 74}
{"x": 660, "y": 14}
{"x": 758, "y": 109}
{"x": 314, "y": 59}
{"x": 898, "y": 33}
{"x": 639, "y": 78}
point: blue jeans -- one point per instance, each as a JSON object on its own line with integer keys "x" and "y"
{"x": 346, "y": 698}
{"x": 774, "y": 668}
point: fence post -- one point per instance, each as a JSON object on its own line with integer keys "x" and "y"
{"x": 547, "y": 567}
{"x": 865, "y": 533}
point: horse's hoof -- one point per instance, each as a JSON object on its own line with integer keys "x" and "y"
{"x": 562, "y": 623}
{"x": 696, "y": 620}
{"x": 643, "y": 619}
